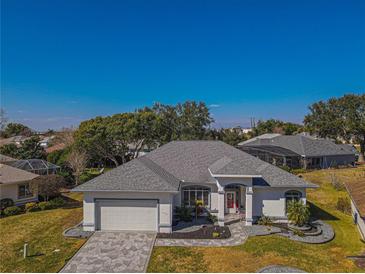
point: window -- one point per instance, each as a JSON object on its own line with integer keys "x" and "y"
{"x": 24, "y": 191}
{"x": 191, "y": 194}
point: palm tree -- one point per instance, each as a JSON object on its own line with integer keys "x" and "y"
{"x": 298, "y": 212}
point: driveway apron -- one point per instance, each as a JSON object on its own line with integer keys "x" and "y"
{"x": 113, "y": 252}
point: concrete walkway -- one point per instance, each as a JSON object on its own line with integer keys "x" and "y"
{"x": 113, "y": 252}
{"x": 238, "y": 236}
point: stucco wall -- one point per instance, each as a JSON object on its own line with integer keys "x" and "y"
{"x": 360, "y": 221}
{"x": 11, "y": 191}
{"x": 165, "y": 206}
{"x": 333, "y": 161}
{"x": 271, "y": 201}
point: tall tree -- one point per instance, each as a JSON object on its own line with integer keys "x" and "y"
{"x": 77, "y": 160}
{"x": 336, "y": 118}
{"x": 194, "y": 119}
{"x": 13, "y": 129}
{"x": 277, "y": 126}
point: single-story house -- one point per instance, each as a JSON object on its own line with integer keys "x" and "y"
{"x": 143, "y": 193}
{"x": 356, "y": 191}
{"x": 45, "y": 142}
{"x": 17, "y": 140}
{"x": 298, "y": 151}
{"x": 15, "y": 184}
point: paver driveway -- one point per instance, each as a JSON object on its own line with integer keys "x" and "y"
{"x": 113, "y": 252}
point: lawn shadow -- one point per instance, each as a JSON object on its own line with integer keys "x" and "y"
{"x": 71, "y": 203}
{"x": 319, "y": 213}
{"x": 35, "y": 255}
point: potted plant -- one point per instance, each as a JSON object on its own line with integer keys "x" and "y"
{"x": 198, "y": 208}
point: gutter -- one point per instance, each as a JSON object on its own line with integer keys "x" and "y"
{"x": 143, "y": 191}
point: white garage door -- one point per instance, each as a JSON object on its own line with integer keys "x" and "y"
{"x": 127, "y": 215}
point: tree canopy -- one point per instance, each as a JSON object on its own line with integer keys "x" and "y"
{"x": 336, "y": 118}
{"x": 277, "y": 126}
{"x": 29, "y": 149}
{"x": 14, "y": 129}
{"x": 121, "y": 136}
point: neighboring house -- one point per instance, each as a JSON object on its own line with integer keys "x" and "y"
{"x": 240, "y": 130}
{"x": 351, "y": 148}
{"x": 143, "y": 193}
{"x": 132, "y": 149}
{"x": 5, "y": 159}
{"x": 37, "y": 166}
{"x": 15, "y": 185}
{"x": 45, "y": 142}
{"x": 356, "y": 191}
{"x": 17, "y": 140}
{"x": 298, "y": 151}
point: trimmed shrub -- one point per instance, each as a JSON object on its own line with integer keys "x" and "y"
{"x": 265, "y": 220}
{"x": 343, "y": 205}
{"x": 6, "y": 202}
{"x": 57, "y": 202}
{"x": 212, "y": 218}
{"x": 12, "y": 210}
{"x": 45, "y": 205}
{"x": 31, "y": 207}
{"x": 184, "y": 213}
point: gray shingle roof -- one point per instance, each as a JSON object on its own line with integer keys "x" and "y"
{"x": 300, "y": 144}
{"x": 4, "y": 159}
{"x": 188, "y": 161}
{"x": 9, "y": 175}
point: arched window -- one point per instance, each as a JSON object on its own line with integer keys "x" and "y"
{"x": 292, "y": 195}
{"x": 190, "y": 194}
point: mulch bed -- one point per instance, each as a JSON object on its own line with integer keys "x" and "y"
{"x": 205, "y": 232}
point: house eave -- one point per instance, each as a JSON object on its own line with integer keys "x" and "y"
{"x": 141, "y": 191}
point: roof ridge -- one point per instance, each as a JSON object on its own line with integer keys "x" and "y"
{"x": 301, "y": 144}
{"x": 158, "y": 170}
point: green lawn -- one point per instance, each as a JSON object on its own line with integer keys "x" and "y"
{"x": 259, "y": 252}
{"x": 43, "y": 232}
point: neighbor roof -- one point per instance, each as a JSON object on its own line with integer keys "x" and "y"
{"x": 9, "y": 174}
{"x": 33, "y": 165}
{"x": 4, "y": 159}
{"x": 300, "y": 144}
{"x": 357, "y": 193}
{"x": 189, "y": 161}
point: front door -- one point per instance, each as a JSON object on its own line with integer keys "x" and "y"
{"x": 230, "y": 202}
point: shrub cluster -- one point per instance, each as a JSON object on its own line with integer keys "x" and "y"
{"x": 336, "y": 183}
{"x": 343, "y": 205}
{"x": 6, "y": 202}
{"x": 212, "y": 218}
{"x": 12, "y": 210}
{"x": 33, "y": 207}
{"x": 265, "y": 220}
{"x": 184, "y": 213}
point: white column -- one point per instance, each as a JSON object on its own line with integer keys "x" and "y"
{"x": 249, "y": 206}
{"x": 221, "y": 207}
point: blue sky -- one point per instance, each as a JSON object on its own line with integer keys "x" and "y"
{"x": 66, "y": 61}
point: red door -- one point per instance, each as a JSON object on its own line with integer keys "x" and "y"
{"x": 230, "y": 200}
